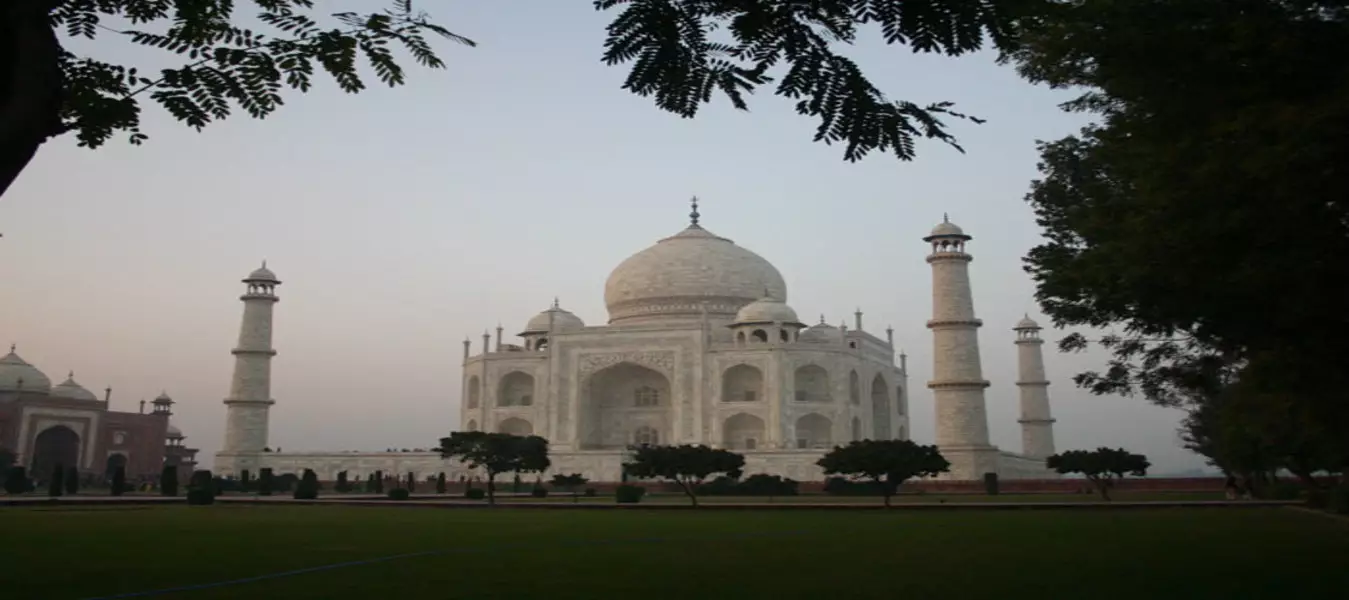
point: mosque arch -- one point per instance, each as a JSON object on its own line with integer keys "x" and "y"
{"x": 58, "y": 445}
{"x": 812, "y": 384}
{"x": 611, "y": 396}
{"x": 474, "y": 392}
{"x": 854, "y": 388}
{"x": 784, "y": 335}
{"x": 515, "y": 426}
{"x": 880, "y": 407}
{"x": 814, "y": 431}
{"x": 742, "y": 431}
{"x": 740, "y": 338}
{"x": 541, "y": 344}
{"x": 856, "y": 429}
{"x": 742, "y": 383}
{"x": 472, "y": 425}
{"x": 118, "y": 460}
{"x": 517, "y": 389}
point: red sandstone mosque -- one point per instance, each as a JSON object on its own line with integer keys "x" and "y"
{"x": 45, "y": 425}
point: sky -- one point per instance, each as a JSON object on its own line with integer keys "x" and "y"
{"x": 402, "y": 221}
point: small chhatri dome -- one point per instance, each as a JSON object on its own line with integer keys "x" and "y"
{"x": 174, "y": 433}
{"x": 16, "y": 374}
{"x": 71, "y": 390}
{"x": 766, "y": 310}
{"x": 1026, "y": 323}
{"x": 562, "y": 320}
{"x": 946, "y": 229}
{"x": 822, "y": 333}
{"x": 163, "y": 398}
{"x": 262, "y": 274}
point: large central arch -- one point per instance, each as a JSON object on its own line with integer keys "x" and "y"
{"x": 517, "y": 389}
{"x": 880, "y": 407}
{"x": 742, "y": 383}
{"x": 814, "y": 431}
{"x": 474, "y": 392}
{"x": 58, "y": 445}
{"x": 617, "y": 400}
{"x": 812, "y": 384}
{"x": 742, "y": 432}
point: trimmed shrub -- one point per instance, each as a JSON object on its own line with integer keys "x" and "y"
{"x": 591, "y": 492}
{"x": 57, "y": 483}
{"x": 168, "y": 481}
{"x": 840, "y": 486}
{"x": 1339, "y": 499}
{"x": 16, "y": 480}
{"x": 412, "y": 482}
{"x": 991, "y": 484}
{"x": 539, "y": 492}
{"x": 629, "y": 494}
{"x": 398, "y": 494}
{"x": 1285, "y": 490}
{"x": 118, "y": 481}
{"x": 440, "y": 483}
{"x": 342, "y": 485}
{"x": 201, "y": 489}
{"x": 475, "y": 493}
{"x": 266, "y": 482}
{"x": 245, "y": 482}
{"x": 308, "y": 487}
{"x": 72, "y": 481}
{"x": 286, "y": 482}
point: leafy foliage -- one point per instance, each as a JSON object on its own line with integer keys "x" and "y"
{"x": 888, "y": 463}
{"x": 201, "y": 488}
{"x": 569, "y": 483}
{"x": 687, "y": 465}
{"x": 118, "y": 485}
{"x": 168, "y": 481}
{"x": 399, "y": 494}
{"x": 631, "y": 494}
{"x": 56, "y": 485}
{"x": 343, "y": 484}
{"x": 16, "y": 480}
{"x": 1100, "y": 466}
{"x": 308, "y": 486}
{"x": 678, "y": 58}
{"x": 496, "y": 453}
{"x": 266, "y": 482}
{"x": 440, "y": 483}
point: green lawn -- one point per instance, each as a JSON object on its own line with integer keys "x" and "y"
{"x": 77, "y": 552}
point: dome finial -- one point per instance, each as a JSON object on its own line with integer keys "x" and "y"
{"x": 822, "y": 318}
{"x": 71, "y": 375}
{"x": 12, "y": 346}
{"x": 693, "y": 216}
{"x": 556, "y": 304}
{"x": 945, "y": 218}
{"x": 264, "y": 263}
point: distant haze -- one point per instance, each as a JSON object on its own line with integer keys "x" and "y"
{"x": 402, "y": 221}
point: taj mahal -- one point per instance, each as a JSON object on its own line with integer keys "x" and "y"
{"x": 701, "y": 347}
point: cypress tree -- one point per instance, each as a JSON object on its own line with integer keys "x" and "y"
{"x": 16, "y": 481}
{"x": 168, "y": 481}
{"x": 72, "y": 481}
{"x": 57, "y": 483}
{"x": 308, "y": 486}
{"x": 201, "y": 489}
{"x": 245, "y": 480}
{"x": 379, "y": 482}
{"x": 342, "y": 485}
{"x": 440, "y": 483}
{"x": 265, "y": 482}
{"x": 412, "y": 482}
{"x": 118, "y": 481}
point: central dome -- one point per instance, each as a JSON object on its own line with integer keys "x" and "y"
{"x": 686, "y": 273}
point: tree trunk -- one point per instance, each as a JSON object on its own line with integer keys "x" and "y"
{"x": 885, "y": 492}
{"x": 491, "y": 488}
{"x": 30, "y": 84}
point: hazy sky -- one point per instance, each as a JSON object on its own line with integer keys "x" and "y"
{"x": 402, "y": 221}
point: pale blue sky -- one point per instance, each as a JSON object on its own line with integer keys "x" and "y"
{"x": 403, "y": 220}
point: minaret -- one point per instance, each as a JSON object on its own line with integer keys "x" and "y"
{"x": 957, "y": 377}
{"x": 1037, "y": 427}
{"x": 250, "y": 396}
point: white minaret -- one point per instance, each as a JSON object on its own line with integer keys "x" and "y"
{"x": 957, "y": 377}
{"x": 1037, "y": 427}
{"x": 250, "y": 396}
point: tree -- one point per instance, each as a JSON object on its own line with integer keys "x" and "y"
{"x": 888, "y": 463}
{"x": 342, "y": 484}
{"x": 47, "y": 90}
{"x": 1232, "y": 187}
{"x": 201, "y": 488}
{"x": 496, "y": 453}
{"x": 57, "y": 482}
{"x": 72, "y": 481}
{"x": 16, "y": 480}
{"x": 440, "y": 483}
{"x": 266, "y": 482}
{"x": 245, "y": 480}
{"x": 168, "y": 480}
{"x": 1100, "y": 466}
{"x": 379, "y": 482}
{"x": 308, "y": 486}
{"x": 7, "y": 459}
{"x": 687, "y": 465}
{"x": 570, "y": 483}
{"x": 118, "y": 485}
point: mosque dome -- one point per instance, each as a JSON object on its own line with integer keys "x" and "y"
{"x": 174, "y": 433}
{"x": 562, "y": 320}
{"x": 1026, "y": 323}
{"x": 71, "y": 390}
{"x": 766, "y": 310}
{"x": 14, "y": 371}
{"x": 822, "y": 333}
{"x": 686, "y": 273}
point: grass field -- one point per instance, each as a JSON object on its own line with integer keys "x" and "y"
{"x": 96, "y": 552}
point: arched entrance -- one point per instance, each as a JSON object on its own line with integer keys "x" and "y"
{"x": 58, "y": 445}
{"x": 118, "y": 460}
{"x": 742, "y": 383}
{"x": 515, "y": 426}
{"x": 880, "y": 408}
{"x": 812, "y": 384}
{"x": 742, "y": 432}
{"x": 617, "y": 398}
{"x": 517, "y": 389}
{"x": 814, "y": 431}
